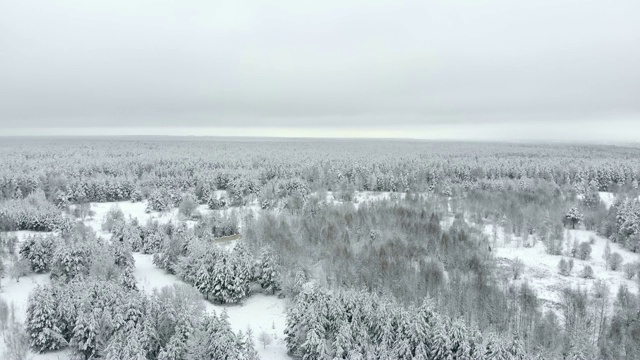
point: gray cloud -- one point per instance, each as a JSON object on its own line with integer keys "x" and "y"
{"x": 73, "y": 63}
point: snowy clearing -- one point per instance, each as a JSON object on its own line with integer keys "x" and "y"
{"x": 607, "y": 198}
{"x": 258, "y": 312}
{"x": 17, "y": 293}
{"x": 541, "y": 269}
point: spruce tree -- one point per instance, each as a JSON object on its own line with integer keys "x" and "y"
{"x": 43, "y": 324}
{"x": 126, "y": 344}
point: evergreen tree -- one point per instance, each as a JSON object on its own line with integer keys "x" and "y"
{"x": 441, "y": 343}
{"x": 176, "y": 348}
{"x": 126, "y": 344}
{"x": 38, "y": 251}
{"x": 250, "y": 352}
{"x": 43, "y": 324}
{"x": 269, "y": 277}
{"x": 574, "y": 217}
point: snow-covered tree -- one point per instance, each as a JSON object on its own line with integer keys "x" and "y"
{"x": 43, "y": 324}
{"x": 177, "y": 347}
{"x": 126, "y": 344}
{"x": 563, "y": 267}
{"x": 159, "y": 200}
{"x": 213, "y": 339}
{"x": 16, "y": 342}
{"x": 188, "y": 205}
{"x": 584, "y": 251}
{"x": 38, "y": 250}
{"x": 587, "y": 272}
{"x": 228, "y": 286}
{"x": 268, "y": 273}
{"x": 72, "y": 260}
{"x": 615, "y": 261}
{"x": 114, "y": 220}
{"x": 574, "y": 217}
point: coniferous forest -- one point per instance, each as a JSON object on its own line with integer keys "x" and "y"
{"x": 166, "y": 248}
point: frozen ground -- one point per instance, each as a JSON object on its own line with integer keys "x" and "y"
{"x": 541, "y": 269}
{"x": 137, "y": 211}
{"x": 258, "y": 312}
{"x": 360, "y": 197}
{"x": 607, "y": 198}
{"x": 17, "y": 293}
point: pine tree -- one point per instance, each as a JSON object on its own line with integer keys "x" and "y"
{"x": 269, "y": 276}
{"x": 495, "y": 350}
{"x": 43, "y": 325}
{"x": 126, "y": 344}
{"x": 250, "y": 352}
{"x": 343, "y": 340}
{"x": 38, "y": 251}
{"x": 574, "y": 217}
{"x": 176, "y": 348}
{"x": 441, "y": 344}
{"x": 213, "y": 340}
{"x": 245, "y": 261}
{"x": 314, "y": 346}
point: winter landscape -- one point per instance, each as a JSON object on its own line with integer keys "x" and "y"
{"x": 319, "y": 180}
{"x": 341, "y": 249}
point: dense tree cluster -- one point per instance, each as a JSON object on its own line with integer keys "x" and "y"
{"x": 224, "y": 276}
{"x": 215, "y": 226}
{"x": 32, "y": 213}
{"x": 358, "y": 325}
{"x": 425, "y": 242}
{"x": 115, "y": 170}
{"x": 102, "y": 319}
{"x": 38, "y": 250}
{"x": 623, "y": 224}
{"x": 163, "y": 199}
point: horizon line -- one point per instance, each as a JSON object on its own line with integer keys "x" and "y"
{"x": 338, "y": 138}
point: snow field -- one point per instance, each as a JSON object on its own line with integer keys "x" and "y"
{"x": 541, "y": 269}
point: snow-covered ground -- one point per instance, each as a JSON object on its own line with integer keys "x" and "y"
{"x": 541, "y": 269}
{"x": 17, "y": 293}
{"x": 130, "y": 210}
{"x": 258, "y": 312}
{"x": 360, "y": 197}
{"x": 137, "y": 211}
{"x": 607, "y": 198}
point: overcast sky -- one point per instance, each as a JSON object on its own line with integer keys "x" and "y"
{"x": 483, "y": 69}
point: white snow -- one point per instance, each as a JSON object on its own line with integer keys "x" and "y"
{"x": 259, "y": 312}
{"x": 607, "y": 198}
{"x": 137, "y": 211}
{"x": 541, "y": 269}
{"x": 23, "y": 234}
{"x": 17, "y": 293}
{"x": 359, "y": 197}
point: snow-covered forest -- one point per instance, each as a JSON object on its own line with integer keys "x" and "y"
{"x": 171, "y": 248}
